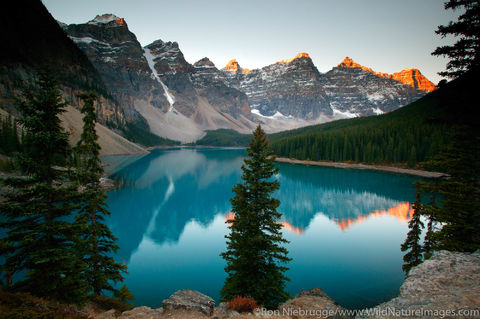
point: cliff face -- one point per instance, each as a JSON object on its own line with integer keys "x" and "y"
{"x": 35, "y": 41}
{"x": 353, "y": 91}
{"x": 415, "y": 79}
{"x": 289, "y": 88}
{"x": 155, "y": 85}
{"x": 118, "y": 57}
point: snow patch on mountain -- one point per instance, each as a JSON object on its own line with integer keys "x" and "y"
{"x": 343, "y": 114}
{"x": 276, "y": 116}
{"x": 105, "y": 18}
{"x": 151, "y": 63}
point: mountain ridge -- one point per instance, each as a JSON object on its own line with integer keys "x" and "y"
{"x": 180, "y": 101}
{"x": 409, "y": 76}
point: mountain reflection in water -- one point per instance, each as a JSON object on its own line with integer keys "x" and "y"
{"x": 170, "y": 209}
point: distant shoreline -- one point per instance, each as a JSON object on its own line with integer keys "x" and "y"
{"x": 389, "y": 169}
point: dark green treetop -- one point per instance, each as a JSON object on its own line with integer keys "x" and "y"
{"x": 464, "y": 54}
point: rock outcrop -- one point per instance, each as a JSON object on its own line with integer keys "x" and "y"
{"x": 312, "y": 303}
{"x": 189, "y": 300}
{"x": 118, "y": 56}
{"x": 447, "y": 285}
{"x": 36, "y": 41}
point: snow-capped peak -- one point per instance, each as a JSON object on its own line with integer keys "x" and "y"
{"x": 106, "y": 18}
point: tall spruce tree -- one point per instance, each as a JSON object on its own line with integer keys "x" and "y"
{"x": 464, "y": 54}
{"x": 412, "y": 243}
{"x": 255, "y": 254}
{"x": 38, "y": 212}
{"x": 96, "y": 243}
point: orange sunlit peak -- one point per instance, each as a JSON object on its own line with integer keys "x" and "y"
{"x": 409, "y": 76}
{"x": 232, "y": 66}
{"x": 298, "y": 56}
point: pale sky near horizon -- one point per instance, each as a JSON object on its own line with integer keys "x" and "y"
{"x": 386, "y": 35}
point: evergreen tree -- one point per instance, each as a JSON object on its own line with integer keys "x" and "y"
{"x": 412, "y": 243}
{"x": 96, "y": 242}
{"x": 9, "y": 139}
{"x": 36, "y": 216}
{"x": 459, "y": 209}
{"x": 254, "y": 245}
{"x": 464, "y": 55}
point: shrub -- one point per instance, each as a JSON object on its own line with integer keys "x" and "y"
{"x": 242, "y": 304}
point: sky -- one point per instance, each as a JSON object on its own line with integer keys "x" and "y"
{"x": 386, "y": 35}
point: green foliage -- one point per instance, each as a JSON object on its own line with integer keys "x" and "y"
{"x": 464, "y": 54}
{"x": 412, "y": 243}
{"x": 254, "y": 246}
{"x": 458, "y": 211}
{"x": 375, "y": 140}
{"x": 124, "y": 295}
{"x": 6, "y": 165}
{"x": 95, "y": 242}
{"x": 9, "y": 139}
{"x": 39, "y": 236}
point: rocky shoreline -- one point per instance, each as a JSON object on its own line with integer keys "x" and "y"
{"x": 445, "y": 286}
{"x": 389, "y": 169}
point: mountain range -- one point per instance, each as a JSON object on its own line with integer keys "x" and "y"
{"x": 150, "y": 92}
{"x": 180, "y": 101}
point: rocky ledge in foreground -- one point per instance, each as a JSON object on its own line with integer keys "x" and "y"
{"x": 445, "y": 286}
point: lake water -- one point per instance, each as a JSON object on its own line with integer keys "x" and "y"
{"x": 345, "y": 227}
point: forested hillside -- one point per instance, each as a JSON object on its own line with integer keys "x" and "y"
{"x": 408, "y": 135}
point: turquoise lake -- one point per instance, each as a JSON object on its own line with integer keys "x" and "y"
{"x": 345, "y": 227}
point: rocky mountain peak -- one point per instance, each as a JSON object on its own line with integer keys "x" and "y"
{"x": 205, "y": 62}
{"x": 168, "y": 57}
{"x": 414, "y": 78}
{"x": 349, "y": 63}
{"x": 233, "y": 67}
{"x": 301, "y": 55}
{"x": 108, "y": 18}
{"x": 411, "y": 77}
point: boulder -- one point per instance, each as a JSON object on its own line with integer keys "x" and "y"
{"x": 187, "y": 299}
{"x": 313, "y": 303}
